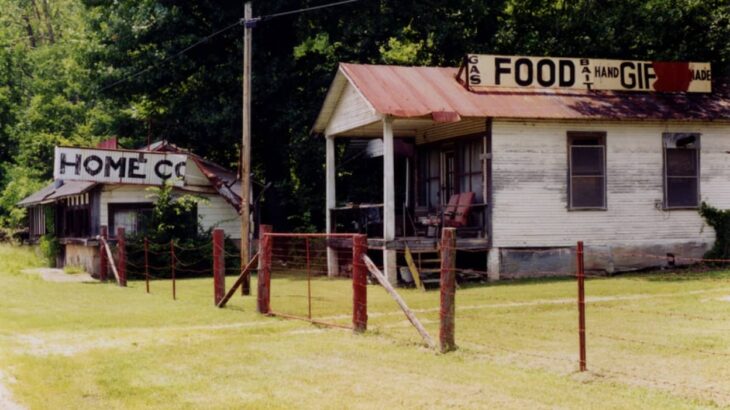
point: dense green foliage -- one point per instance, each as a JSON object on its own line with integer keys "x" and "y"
{"x": 65, "y": 71}
{"x": 174, "y": 219}
{"x": 719, "y": 220}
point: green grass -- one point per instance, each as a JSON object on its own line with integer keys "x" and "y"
{"x": 71, "y": 345}
{"x": 73, "y": 270}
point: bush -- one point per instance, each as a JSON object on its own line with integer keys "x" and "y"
{"x": 174, "y": 218}
{"x": 50, "y": 249}
{"x": 720, "y": 221}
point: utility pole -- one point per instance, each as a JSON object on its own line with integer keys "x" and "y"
{"x": 246, "y": 147}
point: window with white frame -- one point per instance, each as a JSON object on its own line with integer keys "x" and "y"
{"x": 587, "y": 170}
{"x": 681, "y": 170}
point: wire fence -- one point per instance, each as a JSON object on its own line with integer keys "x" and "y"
{"x": 640, "y": 329}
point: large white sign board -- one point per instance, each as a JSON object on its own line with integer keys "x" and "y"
{"x": 516, "y": 72}
{"x": 122, "y": 167}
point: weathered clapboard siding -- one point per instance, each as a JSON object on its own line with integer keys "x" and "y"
{"x": 213, "y": 212}
{"x": 466, "y": 126}
{"x": 193, "y": 175}
{"x": 352, "y": 111}
{"x": 121, "y": 194}
{"x": 530, "y": 185}
{"x": 217, "y": 213}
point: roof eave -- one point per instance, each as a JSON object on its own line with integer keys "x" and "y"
{"x": 334, "y": 92}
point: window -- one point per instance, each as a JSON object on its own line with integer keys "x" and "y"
{"x": 430, "y": 177}
{"x": 681, "y": 170}
{"x": 132, "y": 217}
{"x": 587, "y": 170}
{"x": 470, "y": 168}
{"x": 448, "y": 168}
{"x": 74, "y": 214}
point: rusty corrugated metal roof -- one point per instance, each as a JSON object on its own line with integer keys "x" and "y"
{"x": 223, "y": 180}
{"x": 433, "y": 91}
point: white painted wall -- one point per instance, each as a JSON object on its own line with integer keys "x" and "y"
{"x": 530, "y": 185}
{"x": 120, "y": 194}
{"x": 217, "y": 213}
{"x": 351, "y": 111}
{"x": 214, "y": 212}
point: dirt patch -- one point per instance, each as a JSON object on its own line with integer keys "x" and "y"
{"x": 6, "y": 397}
{"x": 58, "y": 275}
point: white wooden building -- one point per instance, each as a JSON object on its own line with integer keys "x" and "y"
{"x": 624, "y": 172}
{"x": 81, "y": 207}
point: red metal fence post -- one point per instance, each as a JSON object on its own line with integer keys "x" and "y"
{"x": 359, "y": 284}
{"x": 264, "y": 282}
{"x": 103, "y": 259}
{"x": 146, "y": 265}
{"x": 172, "y": 268}
{"x": 581, "y": 306}
{"x": 448, "y": 289}
{"x": 309, "y": 280}
{"x": 219, "y": 270}
{"x": 122, "y": 253}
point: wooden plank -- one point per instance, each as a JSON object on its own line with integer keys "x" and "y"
{"x": 331, "y": 201}
{"x": 246, "y": 148}
{"x": 111, "y": 259}
{"x": 239, "y": 281}
{"x": 414, "y": 270}
{"x": 409, "y": 314}
{"x": 448, "y": 290}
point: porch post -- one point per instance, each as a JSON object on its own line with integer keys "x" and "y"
{"x": 389, "y": 255}
{"x": 331, "y": 202}
{"x": 493, "y": 264}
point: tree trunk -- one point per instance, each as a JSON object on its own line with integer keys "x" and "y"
{"x": 29, "y": 29}
{"x": 49, "y": 22}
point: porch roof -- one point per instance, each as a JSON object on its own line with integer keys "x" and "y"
{"x": 57, "y": 190}
{"x": 435, "y": 94}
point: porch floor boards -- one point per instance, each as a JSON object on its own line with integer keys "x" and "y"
{"x": 421, "y": 244}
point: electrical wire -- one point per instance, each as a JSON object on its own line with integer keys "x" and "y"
{"x": 248, "y": 23}
{"x": 303, "y": 10}
{"x": 168, "y": 58}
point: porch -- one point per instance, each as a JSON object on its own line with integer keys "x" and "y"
{"x": 426, "y": 184}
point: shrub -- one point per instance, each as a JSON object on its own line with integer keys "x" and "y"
{"x": 174, "y": 218}
{"x": 720, "y": 221}
{"x": 50, "y": 249}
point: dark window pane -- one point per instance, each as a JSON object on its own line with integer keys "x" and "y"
{"x": 587, "y": 160}
{"x": 587, "y": 192}
{"x": 681, "y": 192}
{"x": 587, "y": 141}
{"x": 681, "y": 162}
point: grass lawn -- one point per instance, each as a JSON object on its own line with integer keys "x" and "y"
{"x": 654, "y": 341}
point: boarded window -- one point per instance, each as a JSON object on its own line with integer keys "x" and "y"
{"x": 681, "y": 170}
{"x": 587, "y": 170}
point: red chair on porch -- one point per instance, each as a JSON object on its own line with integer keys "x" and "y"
{"x": 459, "y": 218}
{"x": 455, "y": 213}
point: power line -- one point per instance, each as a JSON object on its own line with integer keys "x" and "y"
{"x": 303, "y": 10}
{"x": 249, "y": 23}
{"x": 168, "y": 58}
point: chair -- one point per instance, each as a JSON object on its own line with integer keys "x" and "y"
{"x": 455, "y": 213}
{"x": 460, "y": 216}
